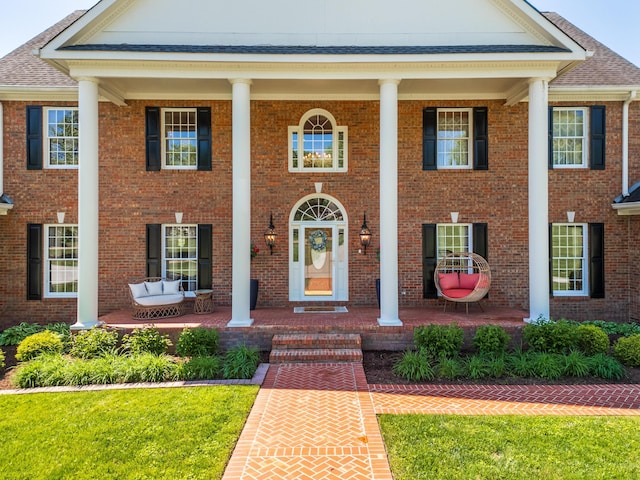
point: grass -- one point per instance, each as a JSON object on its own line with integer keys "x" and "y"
{"x": 511, "y": 447}
{"x": 126, "y": 434}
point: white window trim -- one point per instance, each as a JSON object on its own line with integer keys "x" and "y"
{"x": 164, "y": 139}
{"x": 470, "y": 148}
{"x": 585, "y": 139}
{"x": 164, "y": 226}
{"x": 299, "y": 130}
{"x": 46, "y": 147}
{"x": 585, "y": 264}
{"x": 469, "y": 234}
{"x": 47, "y": 269}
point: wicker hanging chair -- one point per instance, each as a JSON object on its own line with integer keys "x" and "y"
{"x": 463, "y": 277}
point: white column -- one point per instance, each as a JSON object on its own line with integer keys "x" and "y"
{"x": 538, "y": 200}
{"x": 389, "y": 203}
{"x": 241, "y": 250}
{"x": 88, "y": 208}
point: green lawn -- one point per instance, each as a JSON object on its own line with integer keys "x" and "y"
{"x": 512, "y": 447}
{"x": 175, "y": 433}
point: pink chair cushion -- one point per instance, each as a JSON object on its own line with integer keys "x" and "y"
{"x": 448, "y": 281}
{"x": 457, "y": 292}
{"x": 469, "y": 280}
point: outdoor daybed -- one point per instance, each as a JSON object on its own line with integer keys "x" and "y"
{"x": 463, "y": 277}
{"x": 155, "y": 298}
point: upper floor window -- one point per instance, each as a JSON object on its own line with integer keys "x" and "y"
{"x": 61, "y": 137}
{"x": 569, "y": 259}
{"x": 570, "y": 135}
{"x": 61, "y": 260}
{"x": 179, "y": 138}
{"x": 317, "y": 143}
{"x": 454, "y": 138}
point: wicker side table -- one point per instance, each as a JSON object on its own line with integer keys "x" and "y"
{"x": 203, "y": 302}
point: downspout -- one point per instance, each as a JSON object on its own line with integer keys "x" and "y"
{"x": 625, "y": 143}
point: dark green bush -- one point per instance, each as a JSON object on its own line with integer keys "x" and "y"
{"x": 615, "y": 328}
{"x": 449, "y": 368}
{"x": 576, "y": 364}
{"x": 146, "y": 340}
{"x": 491, "y": 340}
{"x": 240, "y": 362}
{"x": 551, "y": 337}
{"x": 521, "y": 364}
{"x": 439, "y": 340}
{"x": 592, "y": 340}
{"x": 202, "y": 368}
{"x": 93, "y": 343}
{"x": 627, "y": 350}
{"x": 604, "y": 366}
{"x": 14, "y": 335}
{"x": 197, "y": 342}
{"x": 37, "y": 344}
{"x": 548, "y": 365}
{"x": 414, "y": 366}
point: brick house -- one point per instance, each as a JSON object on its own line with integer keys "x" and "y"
{"x": 490, "y": 127}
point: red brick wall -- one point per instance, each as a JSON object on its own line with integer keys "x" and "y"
{"x": 131, "y": 197}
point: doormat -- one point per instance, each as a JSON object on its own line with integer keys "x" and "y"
{"x": 320, "y": 310}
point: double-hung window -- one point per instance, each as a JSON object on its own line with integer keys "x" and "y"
{"x": 61, "y": 137}
{"x": 452, "y": 238}
{"x": 455, "y": 132}
{"x": 317, "y": 143}
{"x": 61, "y": 260}
{"x": 180, "y": 255}
{"x": 179, "y": 138}
{"x": 570, "y": 137}
{"x": 569, "y": 259}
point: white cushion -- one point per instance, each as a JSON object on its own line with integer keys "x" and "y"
{"x": 159, "y": 300}
{"x": 154, "y": 288}
{"x": 138, "y": 290}
{"x": 170, "y": 287}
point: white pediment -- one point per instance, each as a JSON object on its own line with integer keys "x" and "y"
{"x": 359, "y": 23}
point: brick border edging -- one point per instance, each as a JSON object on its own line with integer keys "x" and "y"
{"x": 257, "y": 379}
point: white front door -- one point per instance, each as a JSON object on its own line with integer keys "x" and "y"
{"x": 318, "y": 260}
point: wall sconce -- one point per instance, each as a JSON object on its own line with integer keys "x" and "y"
{"x": 60, "y": 217}
{"x": 454, "y": 217}
{"x": 178, "y": 217}
{"x": 571, "y": 216}
{"x": 270, "y": 235}
{"x": 365, "y": 234}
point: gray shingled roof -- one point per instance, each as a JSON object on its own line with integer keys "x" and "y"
{"x": 605, "y": 68}
{"x": 22, "y": 68}
{"x": 633, "y": 197}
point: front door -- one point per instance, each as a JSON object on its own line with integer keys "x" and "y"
{"x": 318, "y": 263}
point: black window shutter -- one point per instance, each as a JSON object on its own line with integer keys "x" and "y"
{"x": 480, "y": 138}
{"x": 205, "y": 253}
{"x": 204, "y": 138}
{"x": 598, "y": 137}
{"x": 550, "y": 134}
{"x": 154, "y": 250}
{"x": 551, "y": 259}
{"x": 153, "y": 138}
{"x": 429, "y": 138}
{"x": 480, "y": 240}
{"x": 34, "y": 137}
{"x": 34, "y": 261}
{"x": 429, "y": 260}
{"x": 596, "y": 260}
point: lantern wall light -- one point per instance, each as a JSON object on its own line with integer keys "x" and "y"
{"x": 270, "y": 235}
{"x": 365, "y": 234}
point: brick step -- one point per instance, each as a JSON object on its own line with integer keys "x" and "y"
{"x": 316, "y": 355}
{"x": 316, "y": 341}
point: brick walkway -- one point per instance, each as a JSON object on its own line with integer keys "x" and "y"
{"x": 318, "y": 421}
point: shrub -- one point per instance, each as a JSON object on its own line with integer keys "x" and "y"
{"x": 604, "y": 366}
{"x": 576, "y": 364}
{"x": 45, "y": 370}
{"x": 1, "y": 358}
{"x": 627, "y": 350}
{"x": 414, "y": 366}
{"x": 202, "y": 368}
{"x": 592, "y": 340}
{"x": 491, "y": 340}
{"x": 14, "y": 335}
{"x": 93, "y": 343}
{"x": 521, "y": 364}
{"x": 240, "y": 362}
{"x": 439, "y": 340}
{"x": 146, "y": 340}
{"x": 476, "y": 367}
{"x": 37, "y": 344}
{"x": 197, "y": 342}
{"x": 548, "y": 365}
{"x": 551, "y": 337}
{"x": 615, "y": 328}
{"x": 449, "y": 368}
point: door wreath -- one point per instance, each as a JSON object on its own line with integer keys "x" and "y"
{"x": 318, "y": 240}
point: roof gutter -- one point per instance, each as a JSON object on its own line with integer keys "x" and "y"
{"x": 625, "y": 143}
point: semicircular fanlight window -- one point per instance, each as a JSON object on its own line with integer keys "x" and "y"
{"x": 318, "y": 209}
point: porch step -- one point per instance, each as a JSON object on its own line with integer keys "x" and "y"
{"x": 316, "y": 348}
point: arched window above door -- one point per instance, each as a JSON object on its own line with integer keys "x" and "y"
{"x": 317, "y": 143}
{"x": 318, "y": 209}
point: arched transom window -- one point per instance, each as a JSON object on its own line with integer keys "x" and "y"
{"x": 318, "y": 209}
{"x": 317, "y": 143}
